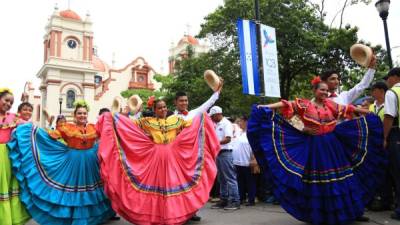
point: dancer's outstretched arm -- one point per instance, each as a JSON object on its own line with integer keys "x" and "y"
{"x": 206, "y": 105}
{"x": 275, "y": 105}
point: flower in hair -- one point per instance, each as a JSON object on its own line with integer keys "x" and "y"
{"x": 150, "y": 101}
{"x": 316, "y": 80}
{"x": 5, "y": 90}
{"x": 81, "y": 103}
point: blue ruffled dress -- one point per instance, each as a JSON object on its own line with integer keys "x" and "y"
{"x": 321, "y": 179}
{"x": 59, "y": 185}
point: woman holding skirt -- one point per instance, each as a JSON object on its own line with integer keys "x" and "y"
{"x": 60, "y": 184}
{"x": 157, "y": 170}
{"x": 327, "y": 173}
{"x": 12, "y": 211}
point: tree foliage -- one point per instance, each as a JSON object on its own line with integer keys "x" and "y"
{"x": 144, "y": 94}
{"x": 306, "y": 47}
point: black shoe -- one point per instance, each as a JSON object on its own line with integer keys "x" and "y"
{"x": 375, "y": 205}
{"x": 395, "y": 216}
{"x": 387, "y": 208}
{"x": 232, "y": 206}
{"x": 362, "y": 219}
{"x": 195, "y": 218}
{"x": 115, "y": 218}
{"x": 276, "y": 202}
{"x": 250, "y": 204}
{"x": 219, "y": 205}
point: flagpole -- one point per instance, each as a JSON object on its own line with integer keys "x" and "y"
{"x": 259, "y": 50}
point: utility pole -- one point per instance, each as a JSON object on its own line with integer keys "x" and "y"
{"x": 259, "y": 50}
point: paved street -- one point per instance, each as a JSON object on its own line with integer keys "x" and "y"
{"x": 262, "y": 214}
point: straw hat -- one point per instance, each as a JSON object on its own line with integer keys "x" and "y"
{"x": 362, "y": 54}
{"x": 134, "y": 103}
{"x": 116, "y": 104}
{"x": 212, "y": 79}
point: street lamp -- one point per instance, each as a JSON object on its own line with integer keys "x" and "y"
{"x": 383, "y": 8}
{"x": 60, "y": 100}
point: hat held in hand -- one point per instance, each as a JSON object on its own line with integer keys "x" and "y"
{"x": 212, "y": 80}
{"x": 362, "y": 54}
{"x": 116, "y": 104}
{"x": 134, "y": 103}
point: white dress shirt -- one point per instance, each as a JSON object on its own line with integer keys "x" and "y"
{"x": 201, "y": 109}
{"x": 347, "y": 97}
{"x": 391, "y": 104}
{"x": 241, "y": 151}
{"x": 224, "y": 129}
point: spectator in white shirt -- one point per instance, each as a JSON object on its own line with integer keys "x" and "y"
{"x": 391, "y": 131}
{"x": 332, "y": 78}
{"x": 229, "y": 194}
{"x": 243, "y": 159}
{"x": 384, "y": 195}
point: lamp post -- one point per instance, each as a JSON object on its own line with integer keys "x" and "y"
{"x": 60, "y": 100}
{"x": 383, "y": 8}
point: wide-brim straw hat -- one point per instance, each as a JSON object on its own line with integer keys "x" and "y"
{"x": 116, "y": 104}
{"x": 134, "y": 103}
{"x": 362, "y": 54}
{"x": 212, "y": 80}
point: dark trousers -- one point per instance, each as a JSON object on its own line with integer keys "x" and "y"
{"x": 394, "y": 163}
{"x": 215, "y": 189}
{"x": 264, "y": 179}
{"x": 246, "y": 183}
{"x": 385, "y": 191}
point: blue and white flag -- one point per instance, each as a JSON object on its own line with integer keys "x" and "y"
{"x": 247, "y": 34}
{"x": 270, "y": 61}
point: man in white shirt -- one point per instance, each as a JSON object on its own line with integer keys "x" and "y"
{"x": 243, "y": 159}
{"x": 391, "y": 131}
{"x": 384, "y": 196}
{"x": 378, "y": 91}
{"x": 332, "y": 78}
{"x": 182, "y": 103}
{"x": 229, "y": 193}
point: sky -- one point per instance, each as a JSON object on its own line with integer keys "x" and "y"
{"x": 133, "y": 28}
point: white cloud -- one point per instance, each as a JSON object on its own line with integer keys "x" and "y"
{"x": 367, "y": 19}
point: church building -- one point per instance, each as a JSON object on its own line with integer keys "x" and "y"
{"x": 71, "y": 70}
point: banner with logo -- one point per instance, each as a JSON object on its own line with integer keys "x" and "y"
{"x": 270, "y": 61}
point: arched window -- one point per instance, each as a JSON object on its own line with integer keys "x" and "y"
{"x": 70, "y": 99}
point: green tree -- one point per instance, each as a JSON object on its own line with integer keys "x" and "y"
{"x": 144, "y": 94}
{"x": 306, "y": 47}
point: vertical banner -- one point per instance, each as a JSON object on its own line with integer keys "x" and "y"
{"x": 248, "y": 56}
{"x": 270, "y": 61}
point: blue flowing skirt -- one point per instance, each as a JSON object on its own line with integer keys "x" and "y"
{"x": 59, "y": 185}
{"x": 321, "y": 179}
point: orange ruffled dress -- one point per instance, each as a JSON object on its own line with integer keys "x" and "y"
{"x": 78, "y": 137}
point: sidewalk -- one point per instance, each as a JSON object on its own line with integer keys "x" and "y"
{"x": 261, "y": 214}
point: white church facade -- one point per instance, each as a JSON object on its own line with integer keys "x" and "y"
{"x": 72, "y": 71}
